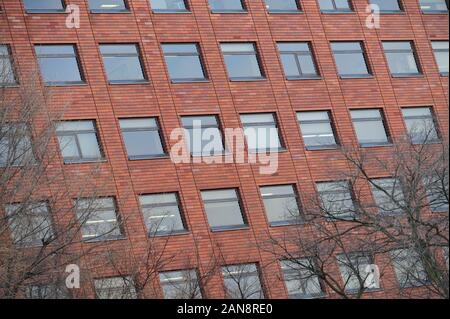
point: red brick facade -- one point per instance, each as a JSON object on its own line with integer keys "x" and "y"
{"x": 107, "y": 103}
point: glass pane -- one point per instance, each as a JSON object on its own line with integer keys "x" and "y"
{"x": 326, "y": 5}
{"x": 317, "y": 134}
{"x": 290, "y": 65}
{"x": 351, "y": 64}
{"x": 143, "y": 143}
{"x": 277, "y": 190}
{"x": 242, "y": 282}
{"x": 75, "y": 126}
{"x": 118, "y": 49}
{"x": 179, "y": 48}
{"x": 403, "y": 45}
{"x": 68, "y": 146}
{"x": 386, "y": 5}
{"x": 180, "y": 284}
{"x": 421, "y": 130}
{"x": 369, "y": 132}
{"x": 313, "y": 116}
{"x": 303, "y": 47}
{"x": 168, "y": 5}
{"x": 115, "y": 288}
{"x": 242, "y": 66}
{"x": 184, "y": 67}
{"x": 54, "y": 49}
{"x": 443, "y": 45}
{"x": 237, "y": 47}
{"x": 43, "y": 5}
{"x": 6, "y": 70}
{"x": 224, "y": 214}
{"x": 389, "y": 197}
{"x": 205, "y": 141}
{"x": 89, "y": 146}
{"x": 281, "y": 209}
{"x": 165, "y": 219}
{"x": 402, "y": 63}
{"x": 112, "y": 5}
{"x": 442, "y": 60}
{"x": 262, "y": 137}
{"x": 138, "y": 123}
{"x": 158, "y": 199}
{"x": 281, "y": 5}
{"x": 367, "y": 113}
{"x": 219, "y": 5}
{"x": 258, "y": 118}
{"x": 342, "y": 4}
{"x": 416, "y": 111}
{"x": 123, "y": 68}
{"x": 219, "y": 194}
{"x": 198, "y": 121}
{"x": 343, "y": 46}
{"x": 307, "y": 65}
{"x": 60, "y": 70}
{"x": 433, "y": 5}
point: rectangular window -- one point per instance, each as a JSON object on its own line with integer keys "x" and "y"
{"x": 298, "y": 60}
{"x": 162, "y": 214}
{"x": 181, "y": 284}
{"x": 78, "y": 141}
{"x": 223, "y": 208}
{"x": 115, "y": 288}
{"x": 281, "y": 204}
{"x": 46, "y": 291}
{"x": 440, "y": 49}
{"x": 16, "y": 147}
{"x": 59, "y": 64}
{"x": 335, "y": 6}
{"x": 184, "y": 62}
{"x": 204, "y": 135}
{"x": 242, "y": 282}
{"x": 226, "y": 6}
{"x": 168, "y": 6}
{"x": 142, "y": 138}
{"x": 317, "y": 130}
{"x": 351, "y": 60}
{"x": 401, "y": 58}
{"x": 241, "y": 60}
{"x": 336, "y": 200}
{"x": 281, "y": 6}
{"x": 437, "y": 193}
{"x": 108, "y": 6}
{"x": 98, "y": 218}
{"x": 355, "y": 274}
{"x": 434, "y": 6}
{"x": 36, "y": 6}
{"x": 369, "y": 127}
{"x": 420, "y": 125}
{"x": 388, "y": 195}
{"x": 122, "y": 63}
{"x": 301, "y": 280}
{"x": 409, "y": 268}
{"x": 387, "y": 6}
{"x": 7, "y": 76}
{"x": 261, "y": 132}
{"x": 30, "y": 223}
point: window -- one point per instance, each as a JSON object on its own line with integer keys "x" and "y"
{"x": 184, "y": 62}
{"x": 261, "y": 132}
{"x": 16, "y": 148}
{"x": 335, "y": 6}
{"x": 434, "y": 6}
{"x": 30, "y": 223}
{"x": 437, "y": 192}
{"x": 44, "y": 6}
{"x": 162, "y": 214}
{"x": 142, "y": 138}
{"x": 108, "y": 6}
{"x": 440, "y": 49}
{"x": 78, "y": 141}
{"x": 388, "y": 195}
{"x": 181, "y": 284}
{"x": 387, "y": 6}
{"x": 226, "y": 6}
{"x": 7, "y": 76}
{"x": 317, "y": 129}
{"x": 98, "y": 218}
{"x": 350, "y": 59}
{"x": 168, "y": 5}
{"x": 59, "y": 64}
{"x": 241, "y": 61}
{"x": 242, "y": 282}
{"x": 355, "y": 272}
{"x": 369, "y": 126}
{"x": 223, "y": 209}
{"x": 409, "y": 268}
{"x": 281, "y": 204}
{"x": 46, "y": 291}
{"x": 298, "y": 61}
{"x": 420, "y": 125}
{"x": 301, "y": 279}
{"x": 122, "y": 63}
{"x": 115, "y": 288}
{"x": 280, "y": 6}
{"x": 336, "y": 199}
{"x": 204, "y": 136}
{"x": 401, "y": 58}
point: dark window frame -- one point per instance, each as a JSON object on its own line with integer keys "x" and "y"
{"x": 361, "y": 51}
{"x": 63, "y": 10}
{"x": 9, "y": 58}
{"x": 336, "y": 10}
{"x": 186, "y": 9}
{"x": 145, "y": 129}
{"x": 277, "y": 126}
{"x": 138, "y": 54}
{"x": 296, "y": 195}
{"x": 255, "y": 52}
{"x": 383, "y": 121}
{"x": 75, "y": 55}
{"x": 413, "y": 50}
{"x": 297, "y": 54}
{"x": 299, "y": 9}
{"x": 333, "y": 130}
{"x": 112, "y": 11}
{"x": 225, "y": 11}
{"x": 200, "y": 58}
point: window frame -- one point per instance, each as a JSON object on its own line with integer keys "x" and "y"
{"x": 28, "y": 136}
{"x": 144, "y": 129}
{"x": 439, "y": 51}
{"x": 432, "y": 117}
{"x": 362, "y": 51}
{"x": 297, "y": 54}
{"x": 352, "y": 256}
{"x": 275, "y": 123}
{"x": 413, "y": 50}
{"x": 9, "y": 58}
{"x": 333, "y": 130}
{"x": 63, "y": 10}
{"x": 111, "y": 11}
{"x": 75, "y": 55}
{"x": 340, "y": 217}
{"x": 186, "y": 9}
{"x": 188, "y": 271}
{"x": 225, "y": 11}
{"x": 133, "y": 294}
{"x": 397, "y": 259}
{"x": 178, "y": 54}
{"x": 299, "y": 9}
{"x": 257, "y": 273}
{"x": 245, "y": 222}
{"x": 397, "y": 186}
{"x": 336, "y": 10}
{"x": 295, "y": 194}
{"x": 255, "y": 53}
{"x": 383, "y": 121}
{"x": 138, "y": 54}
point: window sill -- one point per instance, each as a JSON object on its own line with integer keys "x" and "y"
{"x": 418, "y": 75}
{"x": 58, "y": 11}
{"x": 393, "y": 12}
{"x": 322, "y": 148}
{"x": 110, "y": 11}
{"x": 171, "y": 11}
{"x": 366, "y": 290}
{"x": 148, "y": 157}
{"x": 363, "y": 76}
{"x": 167, "y": 234}
{"x": 248, "y": 79}
{"x": 388, "y": 144}
{"x": 444, "y": 74}
{"x": 229, "y": 228}
{"x": 128, "y": 82}
{"x": 301, "y": 296}
{"x": 287, "y": 223}
{"x": 431, "y": 142}
{"x": 112, "y": 238}
{"x": 229, "y": 11}
{"x": 9, "y": 85}
{"x": 337, "y": 12}
{"x": 70, "y": 162}
{"x": 285, "y": 12}
{"x": 190, "y": 81}
{"x": 294, "y": 78}
{"x": 64, "y": 84}
{"x": 265, "y": 151}
{"x": 435, "y": 12}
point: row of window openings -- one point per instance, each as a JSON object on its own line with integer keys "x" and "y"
{"x": 244, "y": 281}
{"x": 59, "y": 64}
{"x": 233, "y": 6}
{"x": 31, "y": 224}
